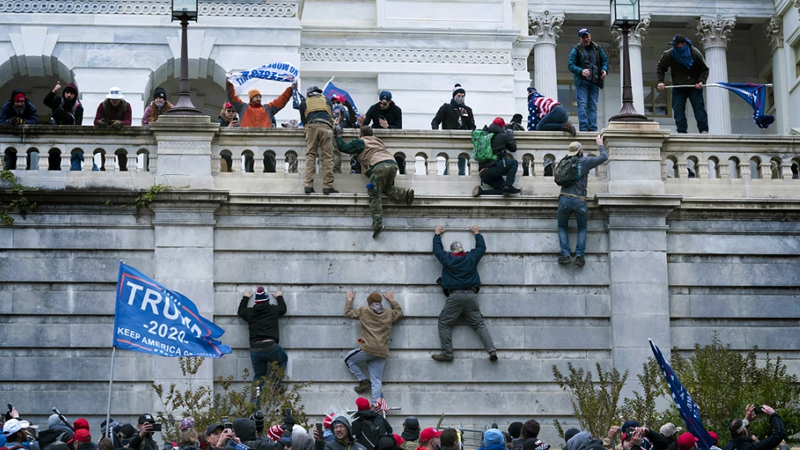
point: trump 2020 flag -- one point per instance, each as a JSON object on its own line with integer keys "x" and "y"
{"x": 686, "y": 406}
{"x": 150, "y": 318}
{"x": 331, "y": 90}
{"x": 277, "y": 71}
{"x": 754, "y": 94}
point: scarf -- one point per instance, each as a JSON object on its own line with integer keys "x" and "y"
{"x": 684, "y": 54}
{"x": 459, "y": 254}
{"x": 377, "y": 307}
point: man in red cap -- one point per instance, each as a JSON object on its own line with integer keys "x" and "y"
{"x": 368, "y": 426}
{"x": 262, "y": 322}
{"x": 492, "y": 170}
{"x": 18, "y": 110}
{"x": 82, "y": 440}
{"x": 687, "y": 441}
{"x": 429, "y": 439}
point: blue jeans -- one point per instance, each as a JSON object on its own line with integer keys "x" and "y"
{"x": 567, "y": 206}
{"x": 375, "y": 364}
{"x": 262, "y": 361}
{"x": 695, "y": 96}
{"x": 587, "y": 94}
{"x": 493, "y": 176}
{"x": 554, "y": 120}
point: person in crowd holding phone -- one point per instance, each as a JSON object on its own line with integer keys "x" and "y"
{"x": 144, "y": 440}
{"x": 384, "y": 114}
{"x": 739, "y": 432}
{"x": 227, "y": 117}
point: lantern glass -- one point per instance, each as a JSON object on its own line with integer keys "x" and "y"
{"x": 184, "y": 8}
{"x": 624, "y": 12}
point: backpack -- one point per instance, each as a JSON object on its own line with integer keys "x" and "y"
{"x": 371, "y": 431}
{"x": 60, "y": 439}
{"x": 567, "y": 171}
{"x": 482, "y": 147}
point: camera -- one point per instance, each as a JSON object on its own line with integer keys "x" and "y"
{"x": 226, "y": 423}
{"x": 758, "y": 410}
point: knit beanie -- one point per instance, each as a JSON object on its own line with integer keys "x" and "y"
{"x": 328, "y": 420}
{"x": 570, "y": 433}
{"x": 252, "y": 93}
{"x": 160, "y": 93}
{"x": 499, "y": 122}
{"x": 457, "y": 89}
{"x": 514, "y": 429}
{"x": 530, "y": 429}
{"x": 53, "y": 420}
{"x": 261, "y": 295}
{"x": 275, "y": 432}
{"x": 374, "y": 298}
{"x": 493, "y": 437}
{"x": 362, "y": 404}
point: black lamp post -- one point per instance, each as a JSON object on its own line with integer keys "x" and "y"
{"x": 184, "y": 10}
{"x": 625, "y": 15}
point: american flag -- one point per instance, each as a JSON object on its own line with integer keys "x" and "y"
{"x": 380, "y": 405}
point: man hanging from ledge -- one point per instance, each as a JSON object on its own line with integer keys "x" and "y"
{"x": 381, "y": 168}
{"x": 460, "y": 282}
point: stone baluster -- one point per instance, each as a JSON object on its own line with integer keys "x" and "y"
{"x": 714, "y": 34}
{"x": 452, "y": 166}
{"x": 133, "y": 162}
{"x": 683, "y": 170}
{"x": 301, "y": 165}
{"x": 432, "y": 166}
{"x": 65, "y": 161}
{"x": 765, "y": 167}
{"x": 724, "y": 170}
{"x": 538, "y": 168}
{"x": 345, "y": 163}
{"x": 111, "y": 163}
{"x": 665, "y": 168}
{"x": 474, "y": 167}
{"x": 22, "y": 161}
{"x": 411, "y": 166}
{"x": 544, "y": 28}
{"x": 702, "y": 170}
{"x": 216, "y": 165}
{"x": 258, "y": 163}
{"x": 744, "y": 170}
{"x": 786, "y": 169}
{"x": 280, "y": 163}
{"x": 236, "y": 162}
{"x": 44, "y": 161}
{"x": 635, "y": 38}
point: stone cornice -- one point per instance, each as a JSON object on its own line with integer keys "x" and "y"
{"x": 715, "y": 32}
{"x": 278, "y": 9}
{"x": 378, "y": 55}
{"x": 545, "y": 27}
{"x": 774, "y": 32}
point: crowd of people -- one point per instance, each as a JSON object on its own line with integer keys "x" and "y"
{"x": 367, "y": 429}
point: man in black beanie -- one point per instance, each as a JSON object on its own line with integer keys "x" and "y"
{"x": 514, "y": 429}
{"x": 410, "y": 433}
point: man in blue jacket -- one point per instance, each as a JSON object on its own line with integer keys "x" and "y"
{"x": 460, "y": 282}
{"x": 588, "y": 63}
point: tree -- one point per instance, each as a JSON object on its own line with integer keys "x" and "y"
{"x": 595, "y": 406}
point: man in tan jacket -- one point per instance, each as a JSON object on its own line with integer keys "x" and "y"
{"x": 381, "y": 168}
{"x": 373, "y": 348}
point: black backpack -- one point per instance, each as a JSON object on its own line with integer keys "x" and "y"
{"x": 567, "y": 171}
{"x": 371, "y": 431}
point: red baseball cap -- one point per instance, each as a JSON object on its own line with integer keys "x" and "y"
{"x": 714, "y": 436}
{"x": 427, "y": 434}
{"x": 81, "y": 435}
{"x": 81, "y": 424}
{"x": 398, "y": 439}
{"x": 362, "y": 404}
{"x": 686, "y": 441}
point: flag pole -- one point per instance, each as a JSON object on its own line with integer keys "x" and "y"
{"x": 705, "y": 85}
{"x": 110, "y": 384}
{"x": 326, "y": 84}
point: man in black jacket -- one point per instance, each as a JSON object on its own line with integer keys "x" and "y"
{"x": 384, "y": 114}
{"x": 143, "y": 440}
{"x": 492, "y": 171}
{"x": 738, "y": 429}
{"x": 454, "y": 115}
{"x": 262, "y": 322}
{"x": 365, "y": 422}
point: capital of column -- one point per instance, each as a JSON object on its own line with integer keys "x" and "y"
{"x": 636, "y": 35}
{"x": 715, "y": 32}
{"x": 545, "y": 27}
{"x": 774, "y": 32}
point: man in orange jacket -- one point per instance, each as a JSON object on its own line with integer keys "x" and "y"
{"x": 254, "y": 114}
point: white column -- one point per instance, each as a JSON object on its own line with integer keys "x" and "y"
{"x": 635, "y": 39}
{"x": 774, "y": 32}
{"x": 544, "y": 28}
{"x": 714, "y": 34}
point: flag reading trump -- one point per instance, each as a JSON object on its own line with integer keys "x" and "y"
{"x": 150, "y": 318}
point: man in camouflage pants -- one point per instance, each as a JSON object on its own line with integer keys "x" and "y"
{"x": 381, "y": 168}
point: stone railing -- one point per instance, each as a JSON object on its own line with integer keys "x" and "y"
{"x": 199, "y": 154}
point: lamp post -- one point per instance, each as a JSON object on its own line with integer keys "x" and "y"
{"x": 184, "y": 10}
{"x": 625, "y": 15}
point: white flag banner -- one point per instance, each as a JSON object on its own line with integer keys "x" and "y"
{"x": 277, "y": 71}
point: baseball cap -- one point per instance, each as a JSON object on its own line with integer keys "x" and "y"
{"x": 686, "y": 441}
{"x": 411, "y": 423}
{"x": 146, "y": 418}
{"x": 574, "y": 148}
{"x": 11, "y": 426}
{"x": 677, "y": 39}
{"x": 427, "y": 434}
{"x": 212, "y": 428}
{"x": 583, "y": 31}
{"x": 668, "y": 429}
{"x": 81, "y": 435}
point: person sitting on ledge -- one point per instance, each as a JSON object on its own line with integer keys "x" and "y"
{"x": 114, "y": 112}
{"x": 546, "y": 114}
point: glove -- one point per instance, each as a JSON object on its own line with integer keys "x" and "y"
{"x": 116, "y": 124}
{"x": 17, "y": 121}
{"x": 102, "y": 123}
{"x": 338, "y": 131}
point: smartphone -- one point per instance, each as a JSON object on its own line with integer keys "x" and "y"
{"x": 156, "y": 427}
{"x": 320, "y": 431}
{"x": 226, "y": 423}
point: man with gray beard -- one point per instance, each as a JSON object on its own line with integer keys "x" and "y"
{"x": 18, "y": 110}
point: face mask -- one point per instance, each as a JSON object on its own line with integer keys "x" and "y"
{"x": 459, "y": 100}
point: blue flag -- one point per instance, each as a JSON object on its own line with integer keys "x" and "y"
{"x": 755, "y": 95}
{"x": 683, "y": 401}
{"x": 331, "y": 90}
{"x": 150, "y": 318}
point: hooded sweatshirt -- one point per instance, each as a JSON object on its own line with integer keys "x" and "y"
{"x": 8, "y": 113}
{"x": 579, "y": 441}
{"x": 349, "y": 443}
{"x": 64, "y": 112}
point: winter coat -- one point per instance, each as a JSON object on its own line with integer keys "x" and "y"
{"x": 502, "y": 142}
{"x": 393, "y": 115}
{"x": 575, "y": 64}
{"x": 64, "y": 113}
{"x": 7, "y": 113}
{"x": 698, "y": 73}
{"x": 122, "y": 112}
{"x": 262, "y": 319}
{"x": 351, "y": 444}
{"x": 451, "y": 118}
{"x": 375, "y": 331}
{"x": 252, "y": 117}
{"x": 460, "y": 272}
{"x": 744, "y": 443}
{"x": 370, "y": 415}
{"x": 152, "y": 112}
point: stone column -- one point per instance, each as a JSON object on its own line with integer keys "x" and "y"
{"x": 774, "y": 33}
{"x": 544, "y": 28}
{"x": 635, "y": 39}
{"x": 184, "y": 150}
{"x": 522, "y": 77}
{"x": 714, "y": 33}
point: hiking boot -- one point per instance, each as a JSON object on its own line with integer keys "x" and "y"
{"x": 568, "y": 127}
{"x": 409, "y": 197}
{"x": 309, "y": 190}
{"x": 442, "y": 357}
{"x": 564, "y": 260}
{"x": 579, "y": 261}
{"x": 331, "y": 190}
{"x": 492, "y": 356}
{"x": 363, "y": 386}
{"x": 378, "y": 231}
{"x": 507, "y": 190}
{"x": 477, "y": 191}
